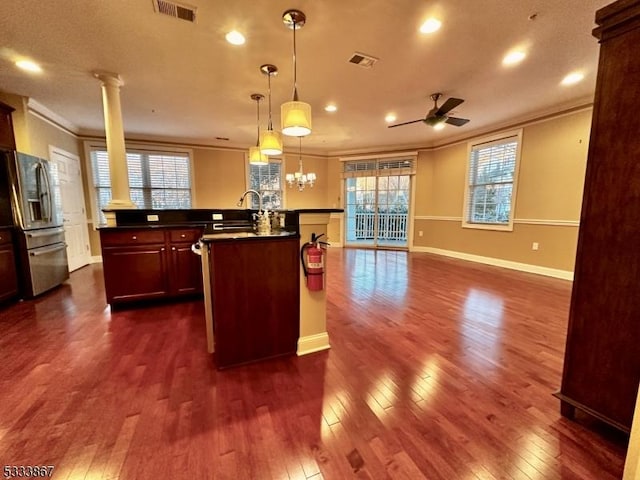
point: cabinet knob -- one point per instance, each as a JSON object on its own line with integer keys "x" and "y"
{"x": 134, "y": 238}
{"x": 162, "y": 249}
{"x": 182, "y": 236}
{"x": 173, "y": 248}
{"x": 0, "y": 239}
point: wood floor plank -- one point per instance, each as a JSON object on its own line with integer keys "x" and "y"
{"x": 439, "y": 369}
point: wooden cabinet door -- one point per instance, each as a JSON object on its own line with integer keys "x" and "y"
{"x": 9, "y": 275}
{"x": 135, "y": 273}
{"x": 186, "y": 270}
{"x": 7, "y": 140}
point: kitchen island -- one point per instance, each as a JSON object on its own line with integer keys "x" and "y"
{"x": 256, "y": 299}
{"x": 252, "y": 296}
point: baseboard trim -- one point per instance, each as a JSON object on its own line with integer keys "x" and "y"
{"x": 335, "y": 244}
{"x": 498, "y": 262}
{"x": 96, "y": 259}
{"x": 313, "y": 343}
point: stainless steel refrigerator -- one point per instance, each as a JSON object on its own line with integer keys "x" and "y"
{"x": 37, "y": 213}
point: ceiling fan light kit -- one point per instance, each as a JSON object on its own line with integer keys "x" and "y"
{"x": 295, "y": 115}
{"x": 437, "y": 116}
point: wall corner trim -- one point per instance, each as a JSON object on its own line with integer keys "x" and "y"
{"x": 313, "y": 343}
{"x": 499, "y": 262}
{"x": 96, "y": 259}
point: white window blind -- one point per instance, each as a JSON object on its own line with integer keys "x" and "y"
{"x": 157, "y": 180}
{"x": 267, "y": 179}
{"x": 490, "y": 186}
{"x": 380, "y": 167}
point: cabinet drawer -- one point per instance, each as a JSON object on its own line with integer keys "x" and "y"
{"x": 131, "y": 237}
{"x": 5, "y": 237}
{"x": 190, "y": 235}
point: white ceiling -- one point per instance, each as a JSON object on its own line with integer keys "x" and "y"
{"x": 184, "y": 82}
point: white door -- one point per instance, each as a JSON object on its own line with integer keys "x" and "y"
{"x": 74, "y": 215}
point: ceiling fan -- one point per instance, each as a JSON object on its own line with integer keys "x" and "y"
{"x": 438, "y": 115}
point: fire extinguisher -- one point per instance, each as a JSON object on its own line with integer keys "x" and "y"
{"x": 312, "y": 258}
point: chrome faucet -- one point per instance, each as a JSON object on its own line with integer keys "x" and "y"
{"x": 254, "y": 192}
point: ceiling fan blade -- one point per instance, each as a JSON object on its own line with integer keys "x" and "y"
{"x": 449, "y": 105}
{"x": 458, "y": 122}
{"x": 406, "y": 123}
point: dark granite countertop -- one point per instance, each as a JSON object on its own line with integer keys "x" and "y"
{"x": 154, "y": 225}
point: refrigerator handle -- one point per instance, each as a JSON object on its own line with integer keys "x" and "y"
{"x": 49, "y": 193}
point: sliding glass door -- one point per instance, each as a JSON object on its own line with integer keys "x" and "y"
{"x": 377, "y": 203}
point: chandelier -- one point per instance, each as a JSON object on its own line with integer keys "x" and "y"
{"x": 299, "y": 178}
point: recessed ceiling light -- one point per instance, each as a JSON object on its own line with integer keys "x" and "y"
{"x": 29, "y": 66}
{"x": 235, "y": 38}
{"x": 331, "y": 108}
{"x": 390, "y": 118}
{"x": 438, "y": 126}
{"x": 514, "y": 57}
{"x": 430, "y": 26}
{"x": 572, "y": 78}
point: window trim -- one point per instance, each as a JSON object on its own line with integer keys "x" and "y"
{"x": 507, "y": 227}
{"x": 89, "y": 146}
{"x": 283, "y": 184}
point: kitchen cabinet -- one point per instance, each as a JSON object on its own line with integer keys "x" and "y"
{"x": 150, "y": 263}
{"x": 255, "y": 298}
{"x": 7, "y": 139}
{"x": 9, "y": 286}
{"x": 602, "y": 356}
{"x": 186, "y": 267}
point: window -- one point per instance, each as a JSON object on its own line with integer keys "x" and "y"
{"x": 267, "y": 179}
{"x": 158, "y": 180}
{"x": 491, "y": 182}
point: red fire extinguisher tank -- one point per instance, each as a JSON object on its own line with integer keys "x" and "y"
{"x": 312, "y": 257}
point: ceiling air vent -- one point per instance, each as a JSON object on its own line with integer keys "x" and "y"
{"x": 363, "y": 60}
{"x": 176, "y": 10}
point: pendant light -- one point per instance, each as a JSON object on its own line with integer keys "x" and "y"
{"x": 270, "y": 140}
{"x": 295, "y": 115}
{"x": 256, "y": 157}
{"x": 299, "y": 178}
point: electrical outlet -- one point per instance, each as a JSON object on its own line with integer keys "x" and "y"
{"x": 535, "y": 246}
{"x": 420, "y": 233}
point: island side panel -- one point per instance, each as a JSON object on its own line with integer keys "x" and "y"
{"x": 255, "y": 289}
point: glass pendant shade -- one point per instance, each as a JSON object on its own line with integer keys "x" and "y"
{"x": 270, "y": 142}
{"x": 296, "y": 118}
{"x": 256, "y": 157}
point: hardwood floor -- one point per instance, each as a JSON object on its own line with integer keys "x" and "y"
{"x": 439, "y": 369}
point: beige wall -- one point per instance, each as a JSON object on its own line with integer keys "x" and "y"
{"x": 549, "y": 191}
{"x": 220, "y": 178}
{"x": 547, "y": 206}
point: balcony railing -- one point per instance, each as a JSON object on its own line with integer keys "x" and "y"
{"x": 391, "y": 226}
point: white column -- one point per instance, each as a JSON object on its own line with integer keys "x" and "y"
{"x": 120, "y": 195}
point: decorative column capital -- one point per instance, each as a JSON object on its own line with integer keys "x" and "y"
{"x": 108, "y": 78}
